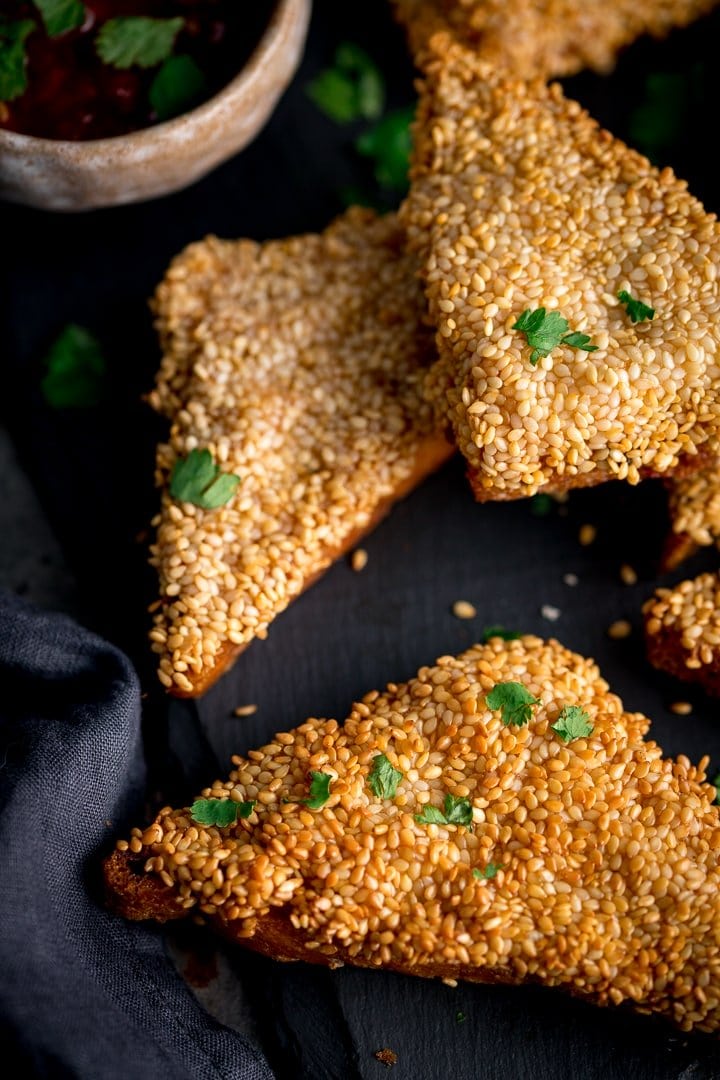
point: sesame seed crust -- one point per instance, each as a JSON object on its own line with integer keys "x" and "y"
{"x": 682, "y": 631}
{"x": 694, "y": 508}
{"x": 519, "y": 200}
{"x": 544, "y": 37}
{"x": 608, "y": 853}
{"x": 298, "y": 363}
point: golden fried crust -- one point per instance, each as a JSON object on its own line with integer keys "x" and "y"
{"x": 694, "y": 508}
{"x": 606, "y": 854}
{"x": 551, "y": 38}
{"x": 299, "y": 364}
{"x": 520, "y": 201}
{"x": 682, "y": 631}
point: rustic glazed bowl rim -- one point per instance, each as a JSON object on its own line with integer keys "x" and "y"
{"x": 282, "y": 13}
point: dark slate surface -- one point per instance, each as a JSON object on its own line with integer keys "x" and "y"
{"x": 351, "y": 632}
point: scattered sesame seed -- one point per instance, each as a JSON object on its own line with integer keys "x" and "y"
{"x": 461, "y": 609}
{"x": 587, "y": 534}
{"x": 604, "y": 844}
{"x": 359, "y": 559}
{"x": 552, "y": 614}
{"x": 620, "y": 629}
{"x": 571, "y": 579}
{"x": 681, "y": 708}
{"x": 245, "y": 710}
{"x": 628, "y": 575}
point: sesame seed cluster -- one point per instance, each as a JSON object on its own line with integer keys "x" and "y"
{"x": 608, "y": 853}
{"x": 519, "y": 201}
{"x": 544, "y": 37}
{"x": 298, "y": 363}
{"x": 682, "y": 630}
{"x": 694, "y": 505}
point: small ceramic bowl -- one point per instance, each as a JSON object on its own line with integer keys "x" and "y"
{"x": 56, "y": 174}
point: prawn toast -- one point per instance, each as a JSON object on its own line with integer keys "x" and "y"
{"x": 573, "y": 287}
{"x": 694, "y": 507}
{"x": 496, "y": 818}
{"x": 544, "y": 37}
{"x": 295, "y": 367}
{"x": 682, "y": 631}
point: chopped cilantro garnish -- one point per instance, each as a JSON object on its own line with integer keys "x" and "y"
{"x": 541, "y": 505}
{"x": 137, "y": 40}
{"x": 545, "y": 330}
{"x": 198, "y": 480}
{"x": 656, "y": 123}
{"x": 637, "y": 311}
{"x": 353, "y": 89}
{"x": 460, "y": 1017}
{"x": 499, "y": 631}
{"x": 319, "y": 790}
{"x": 456, "y": 811}
{"x": 488, "y": 872}
{"x": 384, "y": 779}
{"x": 220, "y": 812}
{"x": 13, "y": 57}
{"x": 60, "y": 16}
{"x": 178, "y": 85}
{"x": 515, "y": 701}
{"x": 389, "y": 144}
{"x": 76, "y": 370}
{"x": 572, "y": 723}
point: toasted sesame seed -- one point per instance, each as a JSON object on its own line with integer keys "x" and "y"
{"x": 462, "y": 609}
{"x": 245, "y": 710}
{"x": 518, "y": 201}
{"x": 681, "y": 708}
{"x": 552, "y": 614}
{"x": 359, "y": 559}
{"x": 606, "y": 848}
{"x": 628, "y": 575}
{"x": 298, "y": 363}
{"x": 587, "y": 535}
{"x": 558, "y": 40}
{"x": 571, "y": 579}
{"x": 620, "y": 629}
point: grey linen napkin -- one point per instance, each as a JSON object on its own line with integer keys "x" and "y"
{"x": 83, "y": 993}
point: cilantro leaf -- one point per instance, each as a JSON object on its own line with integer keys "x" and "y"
{"x": 716, "y": 785}
{"x": 76, "y": 370}
{"x": 457, "y": 810}
{"x": 637, "y": 311}
{"x": 541, "y": 505}
{"x": 499, "y": 631}
{"x": 657, "y": 122}
{"x": 198, "y": 480}
{"x": 384, "y": 779}
{"x": 177, "y": 87}
{"x": 515, "y": 701}
{"x": 389, "y": 144}
{"x": 545, "y": 330}
{"x": 60, "y": 16}
{"x": 431, "y": 815}
{"x": 573, "y": 723}
{"x": 353, "y": 89}
{"x": 137, "y": 40}
{"x": 319, "y": 790}
{"x": 488, "y": 873}
{"x": 13, "y": 57}
{"x": 220, "y": 812}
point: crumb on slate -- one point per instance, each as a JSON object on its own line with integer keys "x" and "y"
{"x": 386, "y": 1056}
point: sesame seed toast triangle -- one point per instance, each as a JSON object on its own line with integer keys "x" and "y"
{"x": 694, "y": 508}
{"x": 551, "y": 38}
{"x": 520, "y": 201}
{"x": 298, "y": 363}
{"x": 591, "y": 864}
{"x": 682, "y": 631}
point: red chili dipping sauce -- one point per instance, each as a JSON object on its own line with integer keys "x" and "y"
{"x": 64, "y": 86}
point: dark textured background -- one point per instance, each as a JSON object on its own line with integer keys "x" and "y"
{"x": 93, "y": 472}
